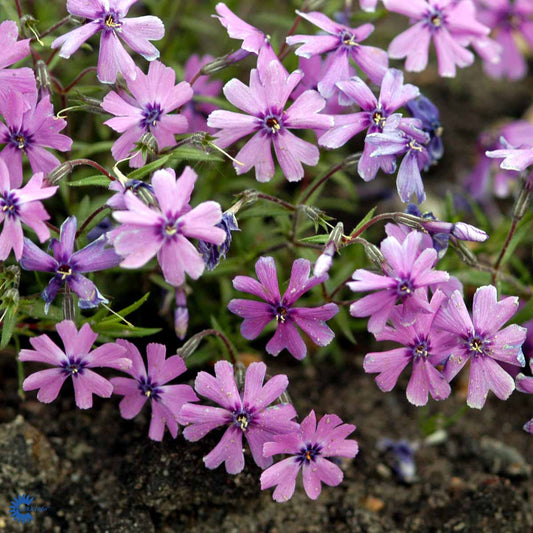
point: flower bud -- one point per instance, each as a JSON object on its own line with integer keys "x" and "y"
{"x": 466, "y": 232}
{"x": 62, "y": 171}
{"x": 220, "y": 63}
{"x": 43, "y": 78}
{"x": 181, "y": 314}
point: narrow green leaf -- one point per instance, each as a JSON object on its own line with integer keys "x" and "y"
{"x": 147, "y": 169}
{"x": 96, "y": 180}
{"x": 317, "y": 239}
{"x": 367, "y": 217}
{"x": 126, "y": 311}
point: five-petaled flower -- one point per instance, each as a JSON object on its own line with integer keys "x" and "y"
{"x": 247, "y": 413}
{"x": 165, "y": 400}
{"x": 407, "y": 274}
{"x": 109, "y": 17}
{"x": 450, "y": 24}
{"x": 165, "y": 230}
{"x": 154, "y": 97}
{"x": 68, "y": 266}
{"x": 19, "y": 206}
{"x": 257, "y": 315}
{"x": 342, "y": 43}
{"x": 76, "y": 361}
{"x": 30, "y": 128}
{"x": 423, "y": 346}
{"x": 481, "y": 341}
{"x": 264, "y": 102}
{"x": 310, "y": 447}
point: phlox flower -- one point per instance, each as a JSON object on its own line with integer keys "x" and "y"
{"x": 196, "y": 112}
{"x": 481, "y": 341}
{"x": 21, "y": 80}
{"x": 514, "y": 158}
{"x": 341, "y": 43}
{"x": 150, "y": 384}
{"x": 423, "y": 347}
{"x": 155, "y": 96}
{"x": 68, "y": 266}
{"x": 22, "y": 206}
{"x": 310, "y": 447}
{"x": 264, "y": 104}
{"x": 511, "y": 22}
{"x": 487, "y": 173}
{"x": 211, "y": 253}
{"x": 76, "y": 360}
{"x": 165, "y": 230}
{"x": 406, "y": 275}
{"x": 247, "y": 413}
{"x": 281, "y": 309}
{"x": 29, "y": 128}
{"x": 404, "y": 136}
{"x": 372, "y": 117}
{"x": 451, "y": 24}
{"x": 109, "y": 18}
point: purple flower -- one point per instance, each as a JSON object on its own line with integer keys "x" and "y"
{"x": 514, "y": 158}
{"x": 525, "y": 384}
{"x": 109, "y": 17}
{"x": 481, "y": 341}
{"x": 21, "y": 80}
{"x": 18, "y": 206}
{"x": 310, "y": 448}
{"x": 76, "y": 361}
{"x": 408, "y": 272}
{"x": 155, "y": 95}
{"x": 247, "y": 413}
{"x": 373, "y": 117}
{"x": 427, "y": 112}
{"x": 264, "y": 103}
{"x": 68, "y": 266}
{"x": 258, "y": 314}
{"x": 511, "y": 24}
{"x": 165, "y": 400}
{"x": 342, "y": 43}
{"x": 450, "y": 24}
{"x": 404, "y": 136}
{"x": 196, "y": 112}
{"x": 423, "y": 347}
{"x": 211, "y": 253}
{"x": 517, "y": 133}
{"x": 165, "y": 230}
{"x": 30, "y": 127}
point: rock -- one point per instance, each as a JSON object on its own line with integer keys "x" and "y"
{"x": 502, "y": 459}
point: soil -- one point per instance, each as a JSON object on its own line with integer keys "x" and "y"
{"x": 96, "y": 472}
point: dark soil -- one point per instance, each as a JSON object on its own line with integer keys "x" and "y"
{"x": 97, "y": 472}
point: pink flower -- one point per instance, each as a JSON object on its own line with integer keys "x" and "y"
{"x": 248, "y": 413}
{"x": 29, "y": 128}
{"x": 282, "y": 309}
{"x": 109, "y": 18}
{"x": 481, "y": 341}
{"x": 165, "y": 230}
{"x": 20, "y": 80}
{"x": 311, "y": 447}
{"x": 76, "y": 361}
{"x": 154, "y": 97}
{"x": 264, "y": 103}
{"x": 341, "y": 43}
{"x": 452, "y": 25}
{"x": 196, "y": 112}
{"x": 165, "y": 400}
{"x": 22, "y": 205}
{"x": 408, "y": 272}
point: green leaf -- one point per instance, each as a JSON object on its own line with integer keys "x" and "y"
{"x": 147, "y": 169}
{"x": 98, "y": 180}
{"x": 190, "y": 153}
{"x": 126, "y": 311}
{"x": 317, "y": 239}
{"x": 113, "y": 329}
{"x": 367, "y": 218}
{"x": 8, "y": 325}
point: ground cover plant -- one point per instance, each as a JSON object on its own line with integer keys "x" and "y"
{"x": 188, "y": 192}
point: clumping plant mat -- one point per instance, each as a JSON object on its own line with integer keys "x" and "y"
{"x": 219, "y": 222}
